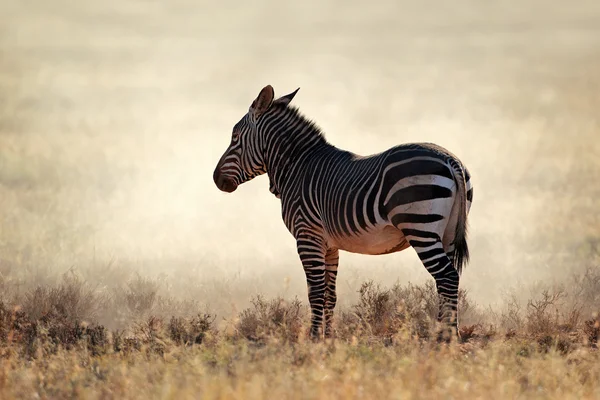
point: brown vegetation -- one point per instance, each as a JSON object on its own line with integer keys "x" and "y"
{"x": 386, "y": 334}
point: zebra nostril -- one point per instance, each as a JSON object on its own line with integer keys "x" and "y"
{"x": 224, "y": 183}
{"x": 227, "y": 185}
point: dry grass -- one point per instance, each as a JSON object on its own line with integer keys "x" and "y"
{"x": 50, "y": 347}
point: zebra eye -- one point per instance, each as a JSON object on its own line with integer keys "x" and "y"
{"x": 235, "y": 136}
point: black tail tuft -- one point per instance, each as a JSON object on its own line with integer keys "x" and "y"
{"x": 461, "y": 250}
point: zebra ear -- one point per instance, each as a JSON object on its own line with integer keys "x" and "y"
{"x": 287, "y": 99}
{"x": 263, "y": 101}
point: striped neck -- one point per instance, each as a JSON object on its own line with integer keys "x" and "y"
{"x": 288, "y": 139}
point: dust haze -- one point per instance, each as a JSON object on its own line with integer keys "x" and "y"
{"x": 113, "y": 116}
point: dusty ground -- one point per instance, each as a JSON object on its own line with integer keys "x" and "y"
{"x": 113, "y": 115}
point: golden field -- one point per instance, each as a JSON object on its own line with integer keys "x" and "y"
{"x": 125, "y": 273}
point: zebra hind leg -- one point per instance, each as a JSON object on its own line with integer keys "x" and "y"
{"x": 331, "y": 268}
{"x": 431, "y": 252}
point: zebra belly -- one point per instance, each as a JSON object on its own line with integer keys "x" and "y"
{"x": 384, "y": 240}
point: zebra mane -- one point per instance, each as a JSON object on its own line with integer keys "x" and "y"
{"x": 298, "y": 119}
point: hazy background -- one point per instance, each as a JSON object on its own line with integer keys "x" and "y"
{"x": 113, "y": 115}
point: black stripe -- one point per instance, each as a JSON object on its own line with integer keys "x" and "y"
{"x": 420, "y": 234}
{"x": 470, "y": 195}
{"x": 307, "y": 243}
{"x": 340, "y": 225}
{"x": 415, "y": 193}
{"x": 414, "y": 168}
{"x": 405, "y": 152}
{"x": 371, "y": 203}
{"x": 360, "y": 200}
{"x": 360, "y": 195}
{"x": 404, "y": 218}
{"x": 349, "y": 211}
{"x": 418, "y": 243}
{"x": 445, "y": 291}
{"x": 309, "y": 262}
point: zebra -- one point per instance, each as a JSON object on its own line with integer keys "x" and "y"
{"x": 412, "y": 195}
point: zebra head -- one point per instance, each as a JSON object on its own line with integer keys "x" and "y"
{"x": 243, "y": 159}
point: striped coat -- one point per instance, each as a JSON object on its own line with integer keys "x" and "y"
{"x": 413, "y": 195}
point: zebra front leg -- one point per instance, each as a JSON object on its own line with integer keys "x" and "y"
{"x": 331, "y": 267}
{"x": 312, "y": 256}
{"x": 433, "y": 256}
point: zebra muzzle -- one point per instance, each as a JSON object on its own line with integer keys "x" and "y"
{"x": 224, "y": 183}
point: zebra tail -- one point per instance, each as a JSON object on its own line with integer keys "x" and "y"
{"x": 461, "y": 249}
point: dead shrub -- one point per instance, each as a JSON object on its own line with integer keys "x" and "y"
{"x": 470, "y": 333}
{"x": 72, "y": 300}
{"x": 552, "y": 312}
{"x": 543, "y": 316}
{"x": 151, "y": 334}
{"x": 384, "y": 313}
{"x": 411, "y": 309}
{"x": 135, "y": 301}
{"x": 591, "y": 330}
{"x": 140, "y": 299}
{"x": 553, "y": 319}
{"x": 375, "y": 310}
{"x": 561, "y": 343}
{"x": 276, "y": 318}
{"x": 123, "y": 344}
{"x": 167, "y": 307}
{"x": 55, "y": 317}
{"x": 586, "y": 290}
{"x": 12, "y": 323}
{"x": 140, "y": 295}
{"x": 188, "y": 331}
{"x": 45, "y": 336}
{"x": 476, "y": 336}
{"x": 511, "y": 317}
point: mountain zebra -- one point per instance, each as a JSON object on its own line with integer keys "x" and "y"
{"x": 415, "y": 195}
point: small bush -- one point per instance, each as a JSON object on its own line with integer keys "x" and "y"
{"x": 543, "y": 316}
{"x": 586, "y": 290}
{"x": 13, "y": 322}
{"x": 591, "y": 330}
{"x": 151, "y": 334}
{"x": 384, "y": 313}
{"x": 140, "y": 295}
{"x": 276, "y": 318}
{"x": 72, "y": 300}
{"x": 411, "y": 310}
{"x": 43, "y": 336}
{"x": 183, "y": 331}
